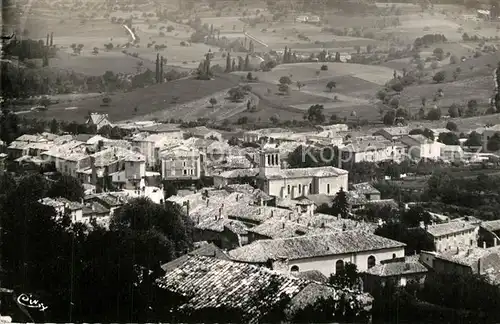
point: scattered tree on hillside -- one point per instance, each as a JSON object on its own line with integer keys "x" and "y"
{"x": 283, "y": 88}
{"x": 236, "y": 94}
{"x": 285, "y": 80}
{"x": 439, "y": 76}
{"x": 315, "y": 114}
{"x": 330, "y": 85}
{"x": 213, "y": 102}
{"x": 451, "y": 126}
{"x": 434, "y": 114}
{"x": 474, "y": 139}
{"x": 454, "y": 111}
{"x": 472, "y": 108}
{"x": 299, "y": 85}
{"x": 389, "y": 117}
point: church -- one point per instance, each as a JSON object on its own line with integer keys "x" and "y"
{"x": 293, "y": 183}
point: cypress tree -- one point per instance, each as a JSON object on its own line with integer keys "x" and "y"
{"x": 161, "y": 69}
{"x": 228, "y": 63}
{"x": 285, "y": 55}
{"x": 247, "y": 63}
{"x": 47, "y": 42}
{"x": 52, "y": 39}
{"x": 233, "y": 65}
{"x": 157, "y": 68}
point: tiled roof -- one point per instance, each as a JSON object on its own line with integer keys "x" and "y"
{"x": 313, "y": 275}
{"x": 397, "y": 269}
{"x": 312, "y": 246}
{"x": 112, "y": 154}
{"x": 365, "y": 188}
{"x": 491, "y": 226}
{"x": 356, "y": 198}
{"x": 421, "y": 139}
{"x": 327, "y": 171}
{"x": 396, "y": 131}
{"x": 206, "y": 250}
{"x": 239, "y": 173}
{"x": 213, "y": 283}
{"x": 277, "y": 228}
{"x": 449, "y": 228}
{"x": 467, "y": 257}
{"x": 218, "y": 225}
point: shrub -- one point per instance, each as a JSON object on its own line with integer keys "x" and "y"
{"x": 434, "y": 114}
{"x": 170, "y": 29}
{"x": 324, "y": 67}
{"x": 451, "y": 126}
{"x": 439, "y": 77}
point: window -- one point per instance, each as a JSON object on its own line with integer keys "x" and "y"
{"x": 328, "y": 188}
{"x": 310, "y": 188}
{"x": 294, "y": 268}
{"x": 394, "y": 255}
{"x": 339, "y": 266}
{"x": 192, "y": 172}
{"x": 268, "y": 160}
{"x": 371, "y": 261}
{"x": 300, "y": 189}
{"x": 184, "y": 172}
{"x": 183, "y": 164}
{"x": 288, "y": 189}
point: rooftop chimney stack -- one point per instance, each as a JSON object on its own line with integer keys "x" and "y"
{"x": 484, "y": 244}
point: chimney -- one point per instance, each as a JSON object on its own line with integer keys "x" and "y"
{"x": 220, "y": 212}
{"x": 407, "y": 266}
{"x": 290, "y": 216}
{"x": 208, "y": 200}
{"x": 283, "y": 225}
{"x": 422, "y": 224}
{"x": 258, "y": 212}
{"x": 272, "y": 213}
{"x": 237, "y": 196}
{"x": 484, "y": 244}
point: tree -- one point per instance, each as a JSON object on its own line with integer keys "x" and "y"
{"x": 67, "y": 187}
{"x": 170, "y": 189}
{"x": 54, "y": 126}
{"x": 451, "y": 126}
{"x": 106, "y": 101}
{"x": 340, "y": 205}
{"x": 389, "y": 117}
{"x": 448, "y": 138}
{"x": 439, "y": 53}
{"x": 9, "y": 128}
{"x": 453, "y": 59}
{"x": 493, "y": 144}
{"x": 397, "y": 86}
{"x": 454, "y": 111}
{"x": 345, "y": 277}
{"x": 247, "y": 62}
{"x": 299, "y": 85}
{"x": 285, "y": 80}
{"x": 315, "y": 114}
{"x": 236, "y": 94}
{"x": 474, "y": 139}
{"x": 213, "y": 102}
{"x": 439, "y": 76}
{"x": 472, "y": 108}
{"x": 283, "y": 88}
{"x": 394, "y": 103}
{"x": 434, "y": 114}
{"x": 330, "y": 85}
{"x": 228, "y": 63}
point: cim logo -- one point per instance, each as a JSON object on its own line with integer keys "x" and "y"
{"x": 31, "y": 302}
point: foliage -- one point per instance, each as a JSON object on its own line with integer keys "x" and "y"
{"x": 474, "y": 139}
{"x": 493, "y": 144}
{"x": 236, "y": 94}
{"x": 439, "y": 76}
{"x": 213, "y": 102}
{"x": 340, "y": 205}
{"x": 416, "y": 240}
{"x": 454, "y": 111}
{"x": 347, "y": 277}
{"x": 434, "y": 114}
{"x": 67, "y": 187}
{"x": 472, "y": 108}
{"x": 315, "y": 114}
{"x": 448, "y": 138}
{"x": 285, "y": 80}
{"x": 414, "y": 215}
{"x": 330, "y": 85}
{"x": 389, "y": 117}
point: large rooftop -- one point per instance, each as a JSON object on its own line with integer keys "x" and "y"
{"x": 449, "y": 228}
{"x": 312, "y": 246}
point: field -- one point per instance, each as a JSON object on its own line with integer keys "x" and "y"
{"x": 159, "y": 99}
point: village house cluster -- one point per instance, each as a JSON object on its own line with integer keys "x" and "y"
{"x": 255, "y": 217}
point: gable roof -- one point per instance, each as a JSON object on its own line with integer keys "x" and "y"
{"x": 449, "y": 228}
{"x": 206, "y": 250}
{"x": 491, "y": 226}
{"x": 312, "y": 246}
{"x": 213, "y": 283}
{"x": 313, "y": 275}
{"x": 397, "y": 269}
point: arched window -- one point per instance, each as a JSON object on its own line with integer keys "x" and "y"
{"x": 371, "y": 261}
{"x": 310, "y": 188}
{"x": 394, "y": 255}
{"x": 268, "y": 160}
{"x": 339, "y": 266}
{"x": 294, "y": 268}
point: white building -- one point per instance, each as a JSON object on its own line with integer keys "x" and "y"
{"x": 371, "y": 151}
{"x": 181, "y": 163}
{"x": 420, "y": 147}
{"x": 63, "y": 206}
{"x": 452, "y": 153}
{"x": 327, "y": 253}
{"x": 292, "y": 183}
{"x": 99, "y": 120}
{"x": 151, "y": 145}
{"x": 455, "y": 235}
